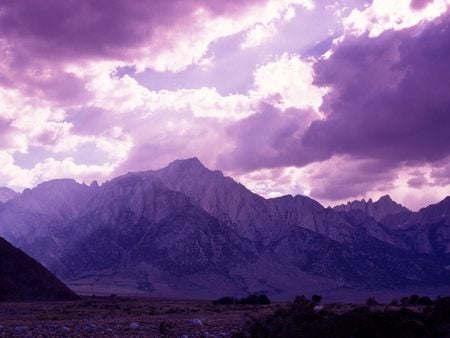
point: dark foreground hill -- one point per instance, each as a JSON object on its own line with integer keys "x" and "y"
{"x": 22, "y": 278}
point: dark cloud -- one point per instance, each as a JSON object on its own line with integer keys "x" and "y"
{"x": 38, "y": 38}
{"x": 344, "y": 178}
{"x": 417, "y": 182}
{"x": 270, "y": 138}
{"x": 54, "y": 29}
{"x": 389, "y": 96}
{"x": 441, "y": 173}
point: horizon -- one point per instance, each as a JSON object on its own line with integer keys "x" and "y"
{"x": 353, "y": 108}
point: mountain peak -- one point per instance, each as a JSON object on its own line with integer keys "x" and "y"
{"x": 192, "y": 162}
{"x": 383, "y": 207}
{"x": 386, "y": 198}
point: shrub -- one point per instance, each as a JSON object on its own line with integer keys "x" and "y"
{"x": 316, "y": 299}
{"x": 254, "y": 299}
{"x": 413, "y": 299}
{"x": 263, "y": 300}
{"x": 225, "y": 301}
{"x": 405, "y": 301}
{"x": 371, "y": 301}
{"x": 424, "y": 300}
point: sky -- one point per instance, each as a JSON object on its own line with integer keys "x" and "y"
{"x": 337, "y": 100}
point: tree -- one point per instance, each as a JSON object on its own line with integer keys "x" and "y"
{"x": 371, "y": 301}
{"x": 405, "y": 301}
{"x": 413, "y": 299}
{"x": 424, "y": 300}
{"x": 316, "y": 299}
{"x": 263, "y": 300}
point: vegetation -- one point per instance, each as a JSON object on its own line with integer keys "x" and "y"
{"x": 250, "y": 300}
{"x": 300, "y": 320}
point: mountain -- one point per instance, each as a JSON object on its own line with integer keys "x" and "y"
{"x": 22, "y": 278}
{"x": 428, "y": 231}
{"x": 6, "y": 194}
{"x": 380, "y": 209}
{"x": 187, "y": 231}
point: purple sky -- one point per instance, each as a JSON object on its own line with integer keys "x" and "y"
{"x": 337, "y": 100}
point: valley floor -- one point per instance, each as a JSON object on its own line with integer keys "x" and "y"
{"x": 118, "y": 316}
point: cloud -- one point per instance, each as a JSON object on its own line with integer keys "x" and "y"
{"x": 269, "y": 138}
{"x": 388, "y": 96}
{"x": 383, "y": 15}
{"x": 342, "y": 178}
{"x": 42, "y": 40}
{"x": 289, "y": 80}
{"x": 420, "y": 4}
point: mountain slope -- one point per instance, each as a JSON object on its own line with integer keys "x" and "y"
{"x": 428, "y": 231}
{"x": 22, "y": 278}
{"x": 7, "y": 194}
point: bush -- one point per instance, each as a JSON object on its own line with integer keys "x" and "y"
{"x": 405, "y": 301}
{"x": 300, "y": 320}
{"x": 371, "y": 301}
{"x": 424, "y": 300}
{"x": 263, "y": 300}
{"x": 254, "y": 299}
{"x": 316, "y": 299}
{"x": 225, "y": 301}
{"x": 413, "y": 299}
{"x": 394, "y": 302}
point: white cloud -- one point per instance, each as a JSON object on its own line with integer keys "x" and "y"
{"x": 383, "y": 15}
{"x": 289, "y": 79}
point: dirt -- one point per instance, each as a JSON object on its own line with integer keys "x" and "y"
{"x": 126, "y": 317}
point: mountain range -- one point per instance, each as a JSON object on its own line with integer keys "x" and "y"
{"x": 187, "y": 231}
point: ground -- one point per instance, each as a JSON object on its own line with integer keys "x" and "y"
{"x": 118, "y": 316}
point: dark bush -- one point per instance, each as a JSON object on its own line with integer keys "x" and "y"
{"x": 394, "y": 302}
{"x": 225, "y": 301}
{"x": 316, "y": 299}
{"x": 254, "y": 299}
{"x": 424, "y": 300}
{"x": 300, "y": 320}
{"x": 371, "y": 301}
{"x": 413, "y": 299}
{"x": 263, "y": 300}
{"x": 405, "y": 301}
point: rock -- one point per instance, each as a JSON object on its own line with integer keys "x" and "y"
{"x": 89, "y": 327}
{"x": 195, "y": 321}
{"x": 134, "y": 326}
{"x": 65, "y": 329}
{"x": 318, "y": 308}
{"x": 21, "y": 328}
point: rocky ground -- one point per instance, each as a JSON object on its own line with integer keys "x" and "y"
{"x": 119, "y": 317}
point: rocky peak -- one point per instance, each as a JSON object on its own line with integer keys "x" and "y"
{"x": 187, "y": 166}
{"x": 383, "y": 207}
{"x": 61, "y": 198}
{"x": 7, "y": 194}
